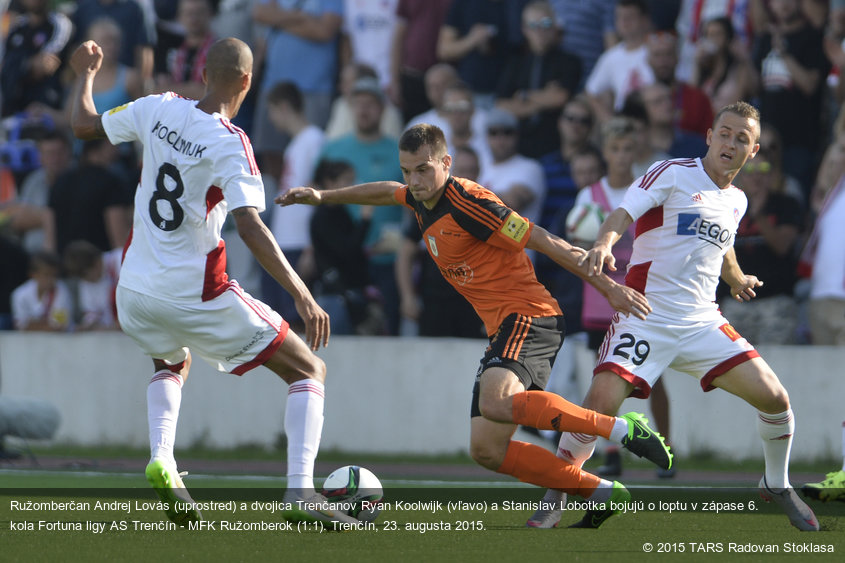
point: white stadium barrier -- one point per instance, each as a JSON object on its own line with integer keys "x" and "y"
{"x": 384, "y": 395}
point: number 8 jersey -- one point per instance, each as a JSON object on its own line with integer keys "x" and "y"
{"x": 196, "y": 166}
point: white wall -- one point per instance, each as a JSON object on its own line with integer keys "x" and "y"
{"x": 383, "y": 395}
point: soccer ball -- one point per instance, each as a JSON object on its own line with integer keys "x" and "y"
{"x": 583, "y": 222}
{"x": 356, "y": 490}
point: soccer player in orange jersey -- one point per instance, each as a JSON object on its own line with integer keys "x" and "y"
{"x": 479, "y": 245}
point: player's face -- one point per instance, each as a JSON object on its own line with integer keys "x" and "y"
{"x": 732, "y": 141}
{"x": 425, "y": 174}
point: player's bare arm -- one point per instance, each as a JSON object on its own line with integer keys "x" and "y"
{"x": 87, "y": 124}
{"x": 621, "y": 298}
{"x": 371, "y": 193}
{"x": 601, "y": 253}
{"x": 742, "y": 285}
{"x": 263, "y": 246}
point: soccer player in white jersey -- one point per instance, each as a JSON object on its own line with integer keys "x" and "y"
{"x": 174, "y": 295}
{"x": 686, "y": 213}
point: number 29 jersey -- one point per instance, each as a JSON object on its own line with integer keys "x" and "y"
{"x": 685, "y": 224}
{"x": 196, "y": 166}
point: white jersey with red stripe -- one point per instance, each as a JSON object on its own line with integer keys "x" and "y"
{"x": 684, "y": 226}
{"x": 197, "y": 166}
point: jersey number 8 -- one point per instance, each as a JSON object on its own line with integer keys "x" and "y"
{"x": 170, "y": 197}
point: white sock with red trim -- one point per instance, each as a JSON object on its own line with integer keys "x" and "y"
{"x": 776, "y": 430}
{"x": 303, "y": 427}
{"x": 164, "y": 396}
{"x": 574, "y": 448}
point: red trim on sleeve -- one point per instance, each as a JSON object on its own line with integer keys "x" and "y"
{"x": 265, "y": 354}
{"x": 641, "y": 389}
{"x": 726, "y": 366}
{"x": 216, "y": 281}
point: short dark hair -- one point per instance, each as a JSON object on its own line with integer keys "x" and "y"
{"x": 80, "y": 256}
{"x": 424, "y": 135}
{"x": 44, "y": 259}
{"x": 641, "y": 5}
{"x": 288, "y": 93}
{"x": 328, "y": 170}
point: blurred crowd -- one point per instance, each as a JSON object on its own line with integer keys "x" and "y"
{"x": 526, "y": 92}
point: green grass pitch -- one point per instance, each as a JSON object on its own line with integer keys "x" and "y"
{"x": 403, "y": 531}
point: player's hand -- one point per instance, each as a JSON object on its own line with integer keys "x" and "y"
{"x": 317, "y": 326}
{"x": 744, "y": 290}
{"x": 87, "y": 58}
{"x": 305, "y": 195}
{"x": 596, "y": 258}
{"x": 628, "y": 301}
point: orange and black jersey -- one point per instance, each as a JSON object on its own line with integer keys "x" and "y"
{"x": 479, "y": 245}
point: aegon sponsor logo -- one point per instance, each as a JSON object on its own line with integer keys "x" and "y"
{"x": 708, "y": 231}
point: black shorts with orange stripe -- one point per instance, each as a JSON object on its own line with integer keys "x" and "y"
{"x": 527, "y": 346}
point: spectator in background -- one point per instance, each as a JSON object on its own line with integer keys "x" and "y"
{"x": 517, "y": 180}
{"x": 300, "y": 46}
{"x": 116, "y": 83}
{"x": 690, "y": 27}
{"x": 588, "y": 30}
{"x": 766, "y": 243}
{"x": 14, "y": 263}
{"x": 90, "y": 202}
{"x": 96, "y": 273}
{"x": 537, "y": 84}
{"x": 234, "y": 19}
{"x": 290, "y": 225}
{"x": 374, "y": 157}
{"x": 368, "y": 27}
{"x": 437, "y": 79}
{"x": 664, "y": 135}
{"x": 413, "y": 52}
{"x": 342, "y": 122}
{"x": 137, "y": 30}
{"x": 722, "y": 70}
{"x": 644, "y": 153}
{"x": 624, "y": 67}
{"x": 43, "y": 302}
{"x": 32, "y": 59}
{"x": 477, "y": 37}
{"x": 427, "y": 299}
{"x": 342, "y": 272}
{"x": 792, "y": 66}
{"x": 693, "y": 109}
{"x": 185, "y": 62}
{"x": 465, "y": 126}
{"x": 32, "y": 215}
{"x": 587, "y": 167}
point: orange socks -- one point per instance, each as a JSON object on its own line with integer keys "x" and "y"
{"x": 547, "y": 411}
{"x": 538, "y": 466}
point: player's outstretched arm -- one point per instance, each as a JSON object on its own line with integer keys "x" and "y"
{"x": 621, "y": 298}
{"x": 86, "y": 122}
{"x": 610, "y": 231}
{"x": 742, "y": 285}
{"x": 372, "y": 193}
{"x": 262, "y": 244}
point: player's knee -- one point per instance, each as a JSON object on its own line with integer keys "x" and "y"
{"x": 486, "y": 454}
{"x": 778, "y": 401}
{"x": 494, "y": 408}
{"x": 317, "y": 369}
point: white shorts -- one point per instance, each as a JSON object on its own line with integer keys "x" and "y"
{"x": 234, "y": 332}
{"x": 640, "y": 351}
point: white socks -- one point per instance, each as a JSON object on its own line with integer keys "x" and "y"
{"x": 776, "y": 431}
{"x": 576, "y": 449}
{"x": 164, "y": 395}
{"x": 303, "y": 427}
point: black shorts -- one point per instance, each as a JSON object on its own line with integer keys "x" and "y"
{"x": 527, "y": 346}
